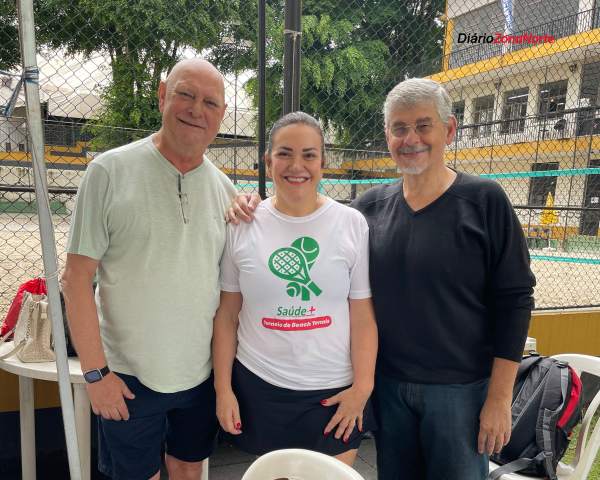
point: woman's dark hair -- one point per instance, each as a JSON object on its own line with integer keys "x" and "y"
{"x": 294, "y": 118}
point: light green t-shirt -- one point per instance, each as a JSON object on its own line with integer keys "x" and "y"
{"x": 158, "y": 236}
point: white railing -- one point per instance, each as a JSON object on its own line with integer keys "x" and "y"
{"x": 527, "y": 129}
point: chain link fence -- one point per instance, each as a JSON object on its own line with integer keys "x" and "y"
{"x": 524, "y": 78}
{"x": 528, "y": 108}
{"x": 100, "y": 67}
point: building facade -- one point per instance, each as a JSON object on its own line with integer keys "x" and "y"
{"x": 524, "y": 77}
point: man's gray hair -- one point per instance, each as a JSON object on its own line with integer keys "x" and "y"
{"x": 294, "y": 118}
{"x": 415, "y": 91}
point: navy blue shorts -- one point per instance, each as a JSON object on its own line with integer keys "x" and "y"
{"x": 274, "y": 418}
{"x": 183, "y": 423}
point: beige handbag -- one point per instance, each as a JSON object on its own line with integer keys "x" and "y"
{"x": 33, "y": 332}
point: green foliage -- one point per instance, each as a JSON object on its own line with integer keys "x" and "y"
{"x": 570, "y": 453}
{"x": 143, "y": 40}
{"x": 352, "y": 54}
{"x": 130, "y": 102}
{"x": 9, "y": 35}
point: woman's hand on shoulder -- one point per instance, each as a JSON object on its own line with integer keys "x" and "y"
{"x": 228, "y": 412}
{"x": 351, "y": 405}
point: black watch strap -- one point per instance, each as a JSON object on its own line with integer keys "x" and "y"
{"x": 97, "y": 374}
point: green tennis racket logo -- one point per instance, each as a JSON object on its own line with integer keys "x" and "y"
{"x": 293, "y": 264}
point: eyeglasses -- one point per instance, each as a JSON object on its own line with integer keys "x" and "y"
{"x": 421, "y": 129}
{"x": 183, "y": 201}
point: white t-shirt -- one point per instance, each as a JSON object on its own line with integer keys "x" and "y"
{"x": 296, "y": 275}
{"x": 159, "y": 253}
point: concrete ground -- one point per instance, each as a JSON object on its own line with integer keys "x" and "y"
{"x": 228, "y": 463}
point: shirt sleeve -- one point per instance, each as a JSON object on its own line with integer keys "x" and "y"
{"x": 230, "y": 274}
{"x": 512, "y": 281}
{"x": 89, "y": 234}
{"x": 360, "y": 286}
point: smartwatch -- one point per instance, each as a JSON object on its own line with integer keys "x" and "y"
{"x": 95, "y": 375}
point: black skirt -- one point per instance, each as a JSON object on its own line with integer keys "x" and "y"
{"x": 274, "y": 418}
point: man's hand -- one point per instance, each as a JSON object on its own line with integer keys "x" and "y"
{"x": 107, "y": 397}
{"x": 495, "y": 417}
{"x": 228, "y": 412}
{"x": 494, "y": 426}
{"x": 242, "y": 208}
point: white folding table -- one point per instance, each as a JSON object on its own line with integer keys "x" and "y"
{"x": 27, "y": 372}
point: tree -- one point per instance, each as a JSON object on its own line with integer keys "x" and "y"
{"x": 9, "y": 35}
{"x": 352, "y": 54}
{"x": 142, "y": 39}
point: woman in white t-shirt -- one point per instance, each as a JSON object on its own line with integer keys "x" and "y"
{"x": 295, "y": 339}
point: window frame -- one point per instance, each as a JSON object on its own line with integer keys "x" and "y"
{"x": 558, "y": 113}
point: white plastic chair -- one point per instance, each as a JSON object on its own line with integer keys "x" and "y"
{"x": 205, "y": 469}
{"x": 587, "y": 445}
{"x": 297, "y": 464}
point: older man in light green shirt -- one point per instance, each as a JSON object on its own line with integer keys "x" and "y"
{"x": 149, "y": 219}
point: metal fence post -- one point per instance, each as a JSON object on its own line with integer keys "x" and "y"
{"x": 262, "y": 90}
{"x": 36, "y": 134}
{"x": 291, "y": 56}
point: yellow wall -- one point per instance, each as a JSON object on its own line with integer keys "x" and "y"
{"x": 528, "y": 149}
{"x": 448, "y": 43}
{"x": 567, "y": 332}
{"x": 254, "y": 173}
{"x": 46, "y": 393}
{"x": 565, "y": 44}
{"x": 52, "y": 154}
{"x": 524, "y": 151}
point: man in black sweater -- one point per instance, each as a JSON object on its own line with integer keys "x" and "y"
{"x": 452, "y": 290}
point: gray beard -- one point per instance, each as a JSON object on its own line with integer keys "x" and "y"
{"x": 414, "y": 170}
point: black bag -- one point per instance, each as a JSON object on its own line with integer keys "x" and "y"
{"x": 69, "y": 343}
{"x": 547, "y": 405}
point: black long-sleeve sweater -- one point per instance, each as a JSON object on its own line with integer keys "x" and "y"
{"x": 451, "y": 283}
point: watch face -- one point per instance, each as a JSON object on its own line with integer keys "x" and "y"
{"x": 92, "y": 376}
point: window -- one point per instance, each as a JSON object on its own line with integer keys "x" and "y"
{"x": 553, "y": 97}
{"x": 21, "y": 147}
{"x": 540, "y": 187}
{"x": 538, "y": 17}
{"x": 8, "y": 147}
{"x": 483, "y": 115}
{"x": 514, "y": 110}
{"x": 590, "y": 219}
{"x": 588, "y": 116}
{"x": 488, "y": 18}
{"x": 61, "y": 133}
{"x": 458, "y": 110}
